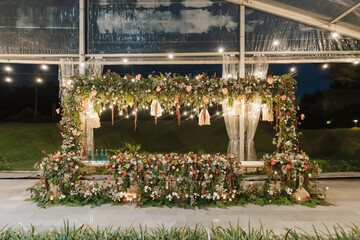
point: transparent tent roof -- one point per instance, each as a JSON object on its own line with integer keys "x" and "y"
{"x": 193, "y": 28}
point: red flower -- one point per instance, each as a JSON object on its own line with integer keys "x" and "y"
{"x": 185, "y": 164}
{"x": 149, "y": 161}
{"x": 159, "y": 165}
{"x": 139, "y": 169}
{"x": 124, "y": 174}
{"x": 194, "y": 172}
{"x": 124, "y": 200}
{"x": 314, "y": 168}
{"x": 195, "y": 182}
{"x": 43, "y": 151}
{"x": 307, "y": 198}
{"x": 69, "y": 115}
{"x": 58, "y": 182}
{"x": 313, "y": 197}
{"x": 180, "y": 81}
{"x": 217, "y": 171}
{"x": 288, "y": 113}
{"x": 273, "y": 162}
{"x": 306, "y": 167}
{"x": 288, "y": 166}
{"x": 71, "y": 164}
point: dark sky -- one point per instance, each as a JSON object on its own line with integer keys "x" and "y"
{"x": 309, "y": 76}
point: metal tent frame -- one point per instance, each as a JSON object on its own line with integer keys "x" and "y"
{"x": 245, "y": 57}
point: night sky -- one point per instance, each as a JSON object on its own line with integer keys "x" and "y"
{"x": 309, "y": 76}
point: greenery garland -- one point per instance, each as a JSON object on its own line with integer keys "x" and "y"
{"x": 62, "y": 170}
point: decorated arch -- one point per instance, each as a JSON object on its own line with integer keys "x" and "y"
{"x": 182, "y": 179}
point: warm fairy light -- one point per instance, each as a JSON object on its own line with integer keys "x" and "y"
{"x": 7, "y": 79}
{"x": 221, "y": 50}
{"x": 8, "y": 69}
{"x": 276, "y": 43}
{"x": 44, "y": 67}
{"x": 39, "y": 80}
{"x": 127, "y": 116}
{"x": 185, "y": 113}
{"x": 172, "y": 113}
{"x": 171, "y": 56}
{"x": 325, "y": 66}
{"x": 292, "y": 69}
{"x": 217, "y": 113}
{"x": 191, "y": 116}
{"x": 125, "y": 60}
{"x": 334, "y": 34}
{"x": 188, "y": 104}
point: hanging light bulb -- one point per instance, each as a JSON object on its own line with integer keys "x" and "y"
{"x": 325, "y": 66}
{"x": 172, "y": 113}
{"x": 44, "y": 67}
{"x": 276, "y": 43}
{"x": 221, "y": 50}
{"x": 334, "y": 34}
{"x": 7, "y": 79}
{"x": 356, "y": 62}
{"x": 171, "y": 56}
{"x": 8, "y": 68}
{"x": 185, "y": 113}
{"x": 127, "y": 116}
{"x": 191, "y": 116}
{"x": 125, "y": 60}
{"x": 292, "y": 69}
{"x": 39, "y": 80}
{"x": 217, "y": 113}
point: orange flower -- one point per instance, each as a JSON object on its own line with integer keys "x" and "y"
{"x": 270, "y": 80}
{"x": 302, "y": 116}
{"x": 158, "y": 89}
{"x": 188, "y": 88}
{"x": 93, "y": 93}
{"x": 288, "y": 166}
{"x": 283, "y": 98}
{"x": 71, "y": 164}
{"x": 205, "y": 99}
{"x": 273, "y": 162}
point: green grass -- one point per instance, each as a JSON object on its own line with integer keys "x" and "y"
{"x": 22, "y": 143}
{"x": 177, "y": 232}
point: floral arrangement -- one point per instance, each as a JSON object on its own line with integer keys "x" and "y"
{"x": 186, "y": 179}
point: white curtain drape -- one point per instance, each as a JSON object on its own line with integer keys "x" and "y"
{"x": 232, "y": 128}
{"x": 253, "y": 115}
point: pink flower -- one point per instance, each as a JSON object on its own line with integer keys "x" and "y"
{"x": 138, "y": 77}
{"x": 288, "y": 166}
{"x": 74, "y": 132}
{"x": 224, "y": 91}
{"x": 158, "y": 89}
{"x": 205, "y": 99}
{"x": 71, "y": 164}
{"x": 302, "y": 116}
{"x": 188, "y": 88}
{"x": 93, "y": 93}
{"x": 283, "y": 98}
{"x": 176, "y": 100}
{"x": 270, "y": 80}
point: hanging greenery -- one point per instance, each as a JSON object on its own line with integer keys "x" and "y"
{"x": 61, "y": 170}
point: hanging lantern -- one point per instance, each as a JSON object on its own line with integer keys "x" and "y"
{"x": 155, "y": 110}
{"x": 204, "y": 117}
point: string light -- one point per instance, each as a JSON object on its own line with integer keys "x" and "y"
{"x": 44, "y": 67}
{"x": 7, "y": 79}
{"x": 334, "y": 34}
{"x": 8, "y": 68}
{"x": 127, "y": 116}
{"x": 191, "y": 116}
{"x": 292, "y": 69}
{"x": 276, "y": 43}
{"x": 171, "y": 56}
{"x": 39, "y": 80}
{"x": 82, "y": 64}
{"x": 221, "y": 50}
{"x": 185, "y": 113}
{"x": 125, "y": 60}
{"x": 356, "y": 62}
{"x": 217, "y": 113}
{"x": 172, "y": 113}
{"x": 325, "y": 66}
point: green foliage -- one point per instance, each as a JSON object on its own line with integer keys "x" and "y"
{"x": 176, "y": 233}
{"x": 3, "y": 162}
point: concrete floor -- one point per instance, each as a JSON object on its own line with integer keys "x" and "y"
{"x": 343, "y": 194}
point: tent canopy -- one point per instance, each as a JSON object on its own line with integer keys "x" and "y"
{"x": 192, "y": 31}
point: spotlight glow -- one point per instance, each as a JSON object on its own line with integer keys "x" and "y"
{"x": 171, "y": 56}
{"x": 221, "y": 50}
{"x": 44, "y": 67}
{"x": 325, "y": 66}
{"x": 7, "y": 79}
{"x": 8, "y": 69}
{"x": 39, "y": 80}
{"x": 276, "y": 43}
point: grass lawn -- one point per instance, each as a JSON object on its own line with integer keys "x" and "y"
{"x": 21, "y": 143}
